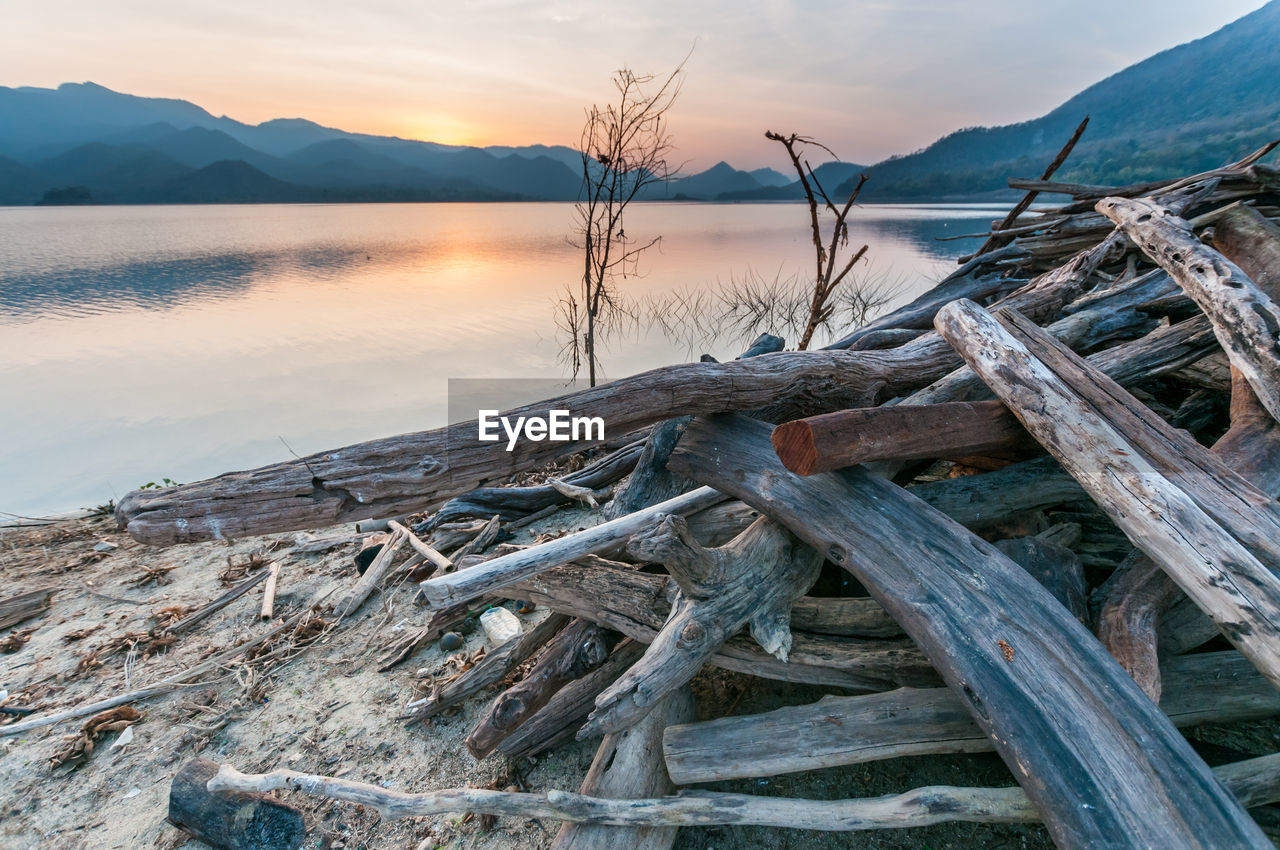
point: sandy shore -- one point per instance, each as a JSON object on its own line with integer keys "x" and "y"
{"x": 325, "y": 708}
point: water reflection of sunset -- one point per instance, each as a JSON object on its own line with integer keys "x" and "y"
{"x": 186, "y": 341}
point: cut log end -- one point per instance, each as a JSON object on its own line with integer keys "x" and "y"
{"x": 794, "y": 443}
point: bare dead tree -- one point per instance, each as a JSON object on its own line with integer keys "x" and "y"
{"x": 826, "y": 280}
{"x": 624, "y": 149}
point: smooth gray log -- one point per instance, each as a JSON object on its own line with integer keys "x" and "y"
{"x": 1102, "y": 764}
{"x": 1212, "y": 687}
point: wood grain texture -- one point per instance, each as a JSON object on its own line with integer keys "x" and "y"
{"x": 629, "y": 764}
{"x": 637, "y": 605}
{"x": 1246, "y": 319}
{"x": 1212, "y": 687}
{"x": 752, "y": 580}
{"x": 1102, "y": 764}
{"x": 901, "y": 432}
{"x": 1254, "y": 782}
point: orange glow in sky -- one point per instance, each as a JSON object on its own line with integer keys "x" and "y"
{"x": 870, "y": 78}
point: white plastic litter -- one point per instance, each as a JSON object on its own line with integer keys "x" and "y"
{"x": 499, "y": 625}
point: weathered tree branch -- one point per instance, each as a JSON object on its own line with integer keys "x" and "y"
{"x": 576, "y": 651}
{"x": 1058, "y": 708}
{"x": 1213, "y": 567}
{"x": 1245, "y": 319}
{"x": 1214, "y": 687}
{"x": 1256, "y": 781}
{"x": 753, "y": 579}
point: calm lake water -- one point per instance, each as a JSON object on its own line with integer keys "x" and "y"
{"x": 146, "y": 342}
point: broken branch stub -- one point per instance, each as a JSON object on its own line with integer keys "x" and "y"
{"x": 753, "y": 579}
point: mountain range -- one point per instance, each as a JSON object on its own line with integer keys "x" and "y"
{"x": 1189, "y": 108}
{"x": 1184, "y": 110}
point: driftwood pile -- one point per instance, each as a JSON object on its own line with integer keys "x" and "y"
{"x": 1010, "y": 472}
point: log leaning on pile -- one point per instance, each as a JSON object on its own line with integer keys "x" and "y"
{"x": 1102, "y": 764}
{"x": 1211, "y": 687}
{"x": 1171, "y": 497}
{"x": 1135, "y": 600}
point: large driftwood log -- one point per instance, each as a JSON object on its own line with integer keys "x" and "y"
{"x": 902, "y": 432}
{"x": 637, "y": 604}
{"x": 1246, "y": 320}
{"x": 629, "y": 764}
{"x": 576, "y": 651}
{"x": 753, "y": 579}
{"x": 231, "y": 820}
{"x": 412, "y": 472}
{"x": 1254, "y": 782}
{"x": 1059, "y": 406}
{"x": 1136, "y": 598}
{"x": 1101, "y": 762}
{"x": 1214, "y": 687}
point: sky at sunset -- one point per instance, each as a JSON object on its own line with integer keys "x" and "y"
{"x": 870, "y": 78}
